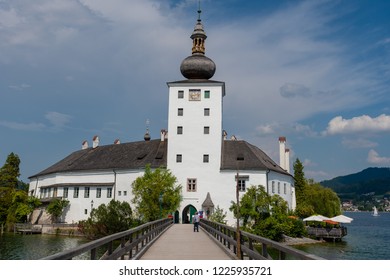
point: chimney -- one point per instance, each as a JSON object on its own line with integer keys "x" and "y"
{"x": 282, "y": 152}
{"x": 84, "y": 145}
{"x": 163, "y": 135}
{"x": 287, "y": 154}
{"x": 95, "y": 141}
{"x": 224, "y": 134}
{"x": 117, "y": 141}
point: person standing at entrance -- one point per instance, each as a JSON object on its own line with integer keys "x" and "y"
{"x": 195, "y": 220}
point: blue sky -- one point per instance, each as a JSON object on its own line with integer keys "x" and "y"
{"x": 316, "y": 72}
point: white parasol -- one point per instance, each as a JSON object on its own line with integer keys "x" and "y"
{"x": 315, "y": 218}
{"x": 342, "y": 219}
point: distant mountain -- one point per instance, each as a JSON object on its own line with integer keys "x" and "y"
{"x": 371, "y": 180}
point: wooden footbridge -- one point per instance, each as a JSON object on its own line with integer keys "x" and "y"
{"x": 163, "y": 240}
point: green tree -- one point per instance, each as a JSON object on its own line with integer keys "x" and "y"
{"x": 254, "y": 206}
{"x": 323, "y": 200}
{"x": 6, "y": 195}
{"x": 299, "y": 181}
{"x": 266, "y": 215}
{"x": 312, "y": 198}
{"x": 147, "y": 190}
{"x": 108, "y": 219}
{"x": 11, "y": 200}
{"x": 218, "y": 215}
{"x": 56, "y": 208}
{"x": 10, "y": 172}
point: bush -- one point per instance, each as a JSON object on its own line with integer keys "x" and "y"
{"x": 108, "y": 219}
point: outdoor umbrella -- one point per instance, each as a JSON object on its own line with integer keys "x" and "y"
{"x": 315, "y": 218}
{"x": 342, "y": 219}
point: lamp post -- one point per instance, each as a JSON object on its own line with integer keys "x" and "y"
{"x": 160, "y": 199}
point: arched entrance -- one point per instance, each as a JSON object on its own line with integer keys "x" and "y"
{"x": 187, "y": 214}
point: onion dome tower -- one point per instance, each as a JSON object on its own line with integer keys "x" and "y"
{"x": 198, "y": 66}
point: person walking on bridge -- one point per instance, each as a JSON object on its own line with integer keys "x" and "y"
{"x": 195, "y": 220}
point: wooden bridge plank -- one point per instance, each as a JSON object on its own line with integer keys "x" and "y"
{"x": 180, "y": 242}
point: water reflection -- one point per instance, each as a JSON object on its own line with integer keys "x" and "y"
{"x": 34, "y": 247}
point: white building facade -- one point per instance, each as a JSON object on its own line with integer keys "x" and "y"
{"x": 196, "y": 151}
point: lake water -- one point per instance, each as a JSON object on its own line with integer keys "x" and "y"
{"x": 368, "y": 239}
{"x": 35, "y": 246}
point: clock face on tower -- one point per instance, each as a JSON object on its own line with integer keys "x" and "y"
{"x": 194, "y": 95}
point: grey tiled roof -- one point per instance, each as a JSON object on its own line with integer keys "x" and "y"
{"x": 136, "y": 155}
{"x": 239, "y": 154}
{"x": 131, "y": 155}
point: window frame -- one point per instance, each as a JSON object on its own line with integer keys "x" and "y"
{"x": 180, "y": 112}
{"x": 76, "y": 191}
{"x": 87, "y": 191}
{"x": 273, "y": 186}
{"x": 98, "y": 192}
{"x": 192, "y": 184}
{"x": 65, "y": 192}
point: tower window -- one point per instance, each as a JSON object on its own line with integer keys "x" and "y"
{"x": 179, "y": 130}
{"x": 205, "y": 158}
{"x": 191, "y": 185}
{"x": 179, "y": 158}
{"x": 180, "y": 94}
{"x": 180, "y": 112}
{"x": 284, "y": 188}
{"x": 206, "y": 94}
{"x": 206, "y": 130}
{"x": 206, "y": 111}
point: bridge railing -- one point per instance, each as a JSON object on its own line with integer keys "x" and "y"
{"x": 253, "y": 247}
{"x": 127, "y": 244}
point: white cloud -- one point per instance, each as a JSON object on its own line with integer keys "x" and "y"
{"x": 339, "y": 125}
{"x": 19, "y": 87}
{"x": 266, "y": 129}
{"x": 23, "y": 126}
{"x": 58, "y": 120}
{"x": 374, "y": 158}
